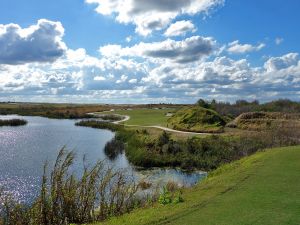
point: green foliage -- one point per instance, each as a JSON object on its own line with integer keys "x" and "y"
{"x": 178, "y": 198}
{"x": 58, "y": 111}
{"x": 99, "y": 193}
{"x": 261, "y": 189}
{"x": 266, "y": 120}
{"x": 110, "y": 117}
{"x": 204, "y": 104}
{"x": 163, "y": 139}
{"x": 165, "y": 197}
{"x": 197, "y": 119}
{"x": 146, "y": 116}
{"x": 113, "y": 148}
{"x": 242, "y": 106}
{"x": 99, "y": 125}
{"x": 170, "y": 196}
{"x": 13, "y": 122}
{"x": 205, "y": 153}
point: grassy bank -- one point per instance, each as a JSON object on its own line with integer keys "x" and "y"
{"x": 205, "y": 153}
{"x": 260, "y": 189}
{"x": 13, "y": 122}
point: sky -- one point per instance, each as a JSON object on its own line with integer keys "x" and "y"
{"x": 141, "y": 51}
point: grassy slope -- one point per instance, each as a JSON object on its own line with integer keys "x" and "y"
{"x": 265, "y": 120}
{"x": 145, "y": 117}
{"x": 261, "y": 189}
{"x": 197, "y": 119}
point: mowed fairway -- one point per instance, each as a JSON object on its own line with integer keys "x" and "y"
{"x": 145, "y": 117}
{"x": 262, "y": 189}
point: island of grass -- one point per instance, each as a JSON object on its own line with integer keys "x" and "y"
{"x": 13, "y": 122}
{"x": 197, "y": 119}
{"x": 260, "y": 189}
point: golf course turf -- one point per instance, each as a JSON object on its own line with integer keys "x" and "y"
{"x": 145, "y": 117}
{"x": 261, "y": 189}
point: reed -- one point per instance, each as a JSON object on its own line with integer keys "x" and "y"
{"x": 99, "y": 193}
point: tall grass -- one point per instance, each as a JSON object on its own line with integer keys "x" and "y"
{"x": 100, "y": 125}
{"x": 205, "y": 153}
{"x": 99, "y": 193}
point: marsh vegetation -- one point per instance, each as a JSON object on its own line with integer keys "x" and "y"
{"x": 98, "y": 193}
{"x": 12, "y": 122}
{"x": 205, "y": 153}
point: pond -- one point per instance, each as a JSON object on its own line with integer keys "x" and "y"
{"x": 25, "y": 149}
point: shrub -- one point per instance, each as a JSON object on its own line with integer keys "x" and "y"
{"x": 165, "y": 197}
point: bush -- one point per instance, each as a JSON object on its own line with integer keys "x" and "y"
{"x": 170, "y": 196}
{"x": 113, "y": 148}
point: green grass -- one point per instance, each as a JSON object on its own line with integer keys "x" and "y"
{"x": 145, "y": 117}
{"x": 197, "y": 119}
{"x": 260, "y": 189}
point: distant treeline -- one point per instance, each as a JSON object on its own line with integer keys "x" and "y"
{"x": 67, "y": 111}
{"x": 13, "y": 122}
{"x": 242, "y": 106}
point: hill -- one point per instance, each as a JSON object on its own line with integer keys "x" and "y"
{"x": 260, "y": 189}
{"x": 265, "y": 120}
{"x": 197, "y": 119}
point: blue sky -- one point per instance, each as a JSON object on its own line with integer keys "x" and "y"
{"x": 135, "y": 51}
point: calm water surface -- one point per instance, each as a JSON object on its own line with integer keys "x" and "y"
{"x": 24, "y": 149}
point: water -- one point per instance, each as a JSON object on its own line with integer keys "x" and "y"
{"x": 24, "y": 150}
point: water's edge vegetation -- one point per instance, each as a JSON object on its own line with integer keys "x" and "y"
{"x": 99, "y": 193}
{"x": 204, "y": 153}
{"x": 259, "y": 189}
{"x": 13, "y": 122}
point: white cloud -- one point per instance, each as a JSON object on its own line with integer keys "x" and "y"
{"x": 278, "y": 41}
{"x": 283, "y": 62}
{"x": 129, "y": 80}
{"x": 185, "y": 51}
{"x": 123, "y": 79}
{"x": 170, "y": 71}
{"x": 38, "y": 43}
{"x": 180, "y": 28}
{"x": 129, "y": 39}
{"x": 99, "y": 78}
{"x": 236, "y": 48}
{"x": 133, "y": 81}
{"x": 152, "y": 15}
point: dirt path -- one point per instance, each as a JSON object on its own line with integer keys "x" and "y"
{"x": 126, "y": 118}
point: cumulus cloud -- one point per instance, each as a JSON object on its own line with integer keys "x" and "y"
{"x": 236, "y": 48}
{"x": 152, "y": 15}
{"x": 91, "y": 79}
{"x": 180, "y": 28}
{"x": 38, "y": 43}
{"x": 283, "y": 62}
{"x": 170, "y": 71}
{"x": 185, "y": 51}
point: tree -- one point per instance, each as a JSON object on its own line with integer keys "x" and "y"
{"x": 203, "y": 103}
